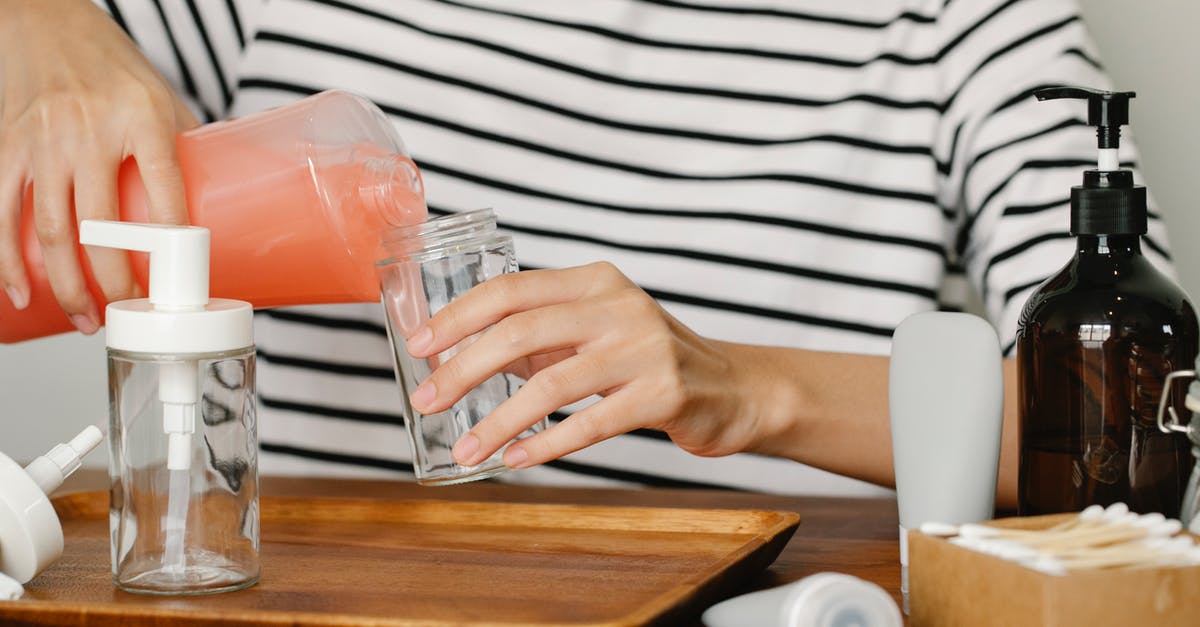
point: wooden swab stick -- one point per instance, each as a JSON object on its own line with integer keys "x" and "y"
{"x": 1102, "y": 536}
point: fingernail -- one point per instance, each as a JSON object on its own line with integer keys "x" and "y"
{"x": 424, "y": 395}
{"x": 515, "y": 457}
{"x": 19, "y": 298}
{"x": 85, "y": 323}
{"x": 420, "y": 341}
{"x": 465, "y": 448}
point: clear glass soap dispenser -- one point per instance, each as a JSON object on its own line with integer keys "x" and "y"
{"x": 183, "y": 456}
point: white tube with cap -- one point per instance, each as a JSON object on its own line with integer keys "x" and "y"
{"x": 946, "y": 401}
{"x": 820, "y": 600}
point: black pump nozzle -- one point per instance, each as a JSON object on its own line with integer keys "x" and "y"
{"x": 1107, "y": 110}
{"x": 1108, "y": 202}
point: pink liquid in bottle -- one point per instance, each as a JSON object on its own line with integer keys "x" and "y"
{"x": 296, "y": 199}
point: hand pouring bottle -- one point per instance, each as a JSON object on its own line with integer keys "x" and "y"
{"x": 1094, "y": 344}
{"x": 183, "y": 445}
{"x": 296, "y": 198}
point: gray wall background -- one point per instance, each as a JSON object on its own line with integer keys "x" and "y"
{"x": 52, "y": 388}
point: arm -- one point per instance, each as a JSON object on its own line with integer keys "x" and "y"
{"x": 833, "y": 413}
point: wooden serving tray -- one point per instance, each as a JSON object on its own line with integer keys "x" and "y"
{"x": 407, "y": 562}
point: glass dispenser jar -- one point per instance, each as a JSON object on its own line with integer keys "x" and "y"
{"x": 183, "y": 460}
{"x": 192, "y": 529}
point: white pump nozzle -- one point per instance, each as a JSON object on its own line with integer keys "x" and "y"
{"x": 178, "y": 258}
{"x": 30, "y": 533}
{"x": 49, "y": 470}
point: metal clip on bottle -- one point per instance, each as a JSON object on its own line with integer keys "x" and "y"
{"x": 1188, "y": 513}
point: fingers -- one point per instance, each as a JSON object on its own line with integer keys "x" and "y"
{"x": 96, "y": 198}
{"x": 153, "y": 146}
{"x": 493, "y": 300}
{"x": 603, "y": 420}
{"x": 523, "y": 334}
{"x": 559, "y": 385}
{"x": 12, "y": 266}
{"x": 54, "y": 223}
{"x": 72, "y": 110}
{"x": 184, "y": 118}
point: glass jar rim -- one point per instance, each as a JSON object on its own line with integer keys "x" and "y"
{"x": 441, "y": 250}
{"x": 446, "y": 224}
{"x": 439, "y": 233}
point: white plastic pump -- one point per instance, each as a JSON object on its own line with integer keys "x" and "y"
{"x": 178, "y": 258}
{"x": 178, "y": 284}
{"x": 30, "y": 533}
{"x": 178, "y": 318}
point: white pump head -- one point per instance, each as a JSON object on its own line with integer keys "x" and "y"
{"x": 178, "y": 258}
{"x": 177, "y": 323}
{"x": 178, "y": 317}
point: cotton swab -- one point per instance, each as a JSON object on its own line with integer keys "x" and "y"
{"x": 1093, "y": 515}
{"x": 1098, "y": 537}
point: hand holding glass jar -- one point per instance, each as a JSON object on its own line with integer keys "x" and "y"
{"x": 577, "y": 332}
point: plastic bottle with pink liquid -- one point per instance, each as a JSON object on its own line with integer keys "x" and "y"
{"x": 296, "y": 199}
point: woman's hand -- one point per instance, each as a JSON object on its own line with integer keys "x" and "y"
{"x": 76, "y": 98}
{"x": 574, "y": 333}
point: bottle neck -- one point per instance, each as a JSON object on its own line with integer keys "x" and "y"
{"x": 391, "y": 188}
{"x": 1125, "y": 245}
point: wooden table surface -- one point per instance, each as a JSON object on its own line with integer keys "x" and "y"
{"x": 848, "y": 535}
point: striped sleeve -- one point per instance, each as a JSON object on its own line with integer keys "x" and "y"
{"x": 1009, "y": 160}
{"x": 196, "y": 45}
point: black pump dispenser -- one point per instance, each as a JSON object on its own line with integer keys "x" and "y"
{"x": 1094, "y": 344}
{"x": 1108, "y": 203}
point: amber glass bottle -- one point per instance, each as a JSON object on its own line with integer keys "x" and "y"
{"x": 1094, "y": 344}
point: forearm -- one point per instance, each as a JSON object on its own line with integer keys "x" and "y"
{"x": 829, "y": 410}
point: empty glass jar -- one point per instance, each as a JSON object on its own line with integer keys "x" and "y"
{"x": 431, "y": 264}
{"x": 184, "y": 471}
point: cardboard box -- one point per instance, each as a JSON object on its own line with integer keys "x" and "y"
{"x": 955, "y": 587}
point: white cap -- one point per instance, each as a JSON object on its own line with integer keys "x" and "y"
{"x": 833, "y": 599}
{"x": 820, "y": 600}
{"x": 31, "y": 537}
{"x": 178, "y": 317}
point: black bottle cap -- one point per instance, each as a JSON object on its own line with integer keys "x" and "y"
{"x": 1108, "y": 203}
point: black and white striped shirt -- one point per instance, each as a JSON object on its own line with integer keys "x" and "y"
{"x": 802, "y": 173}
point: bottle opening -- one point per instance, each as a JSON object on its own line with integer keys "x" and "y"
{"x": 391, "y": 186}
